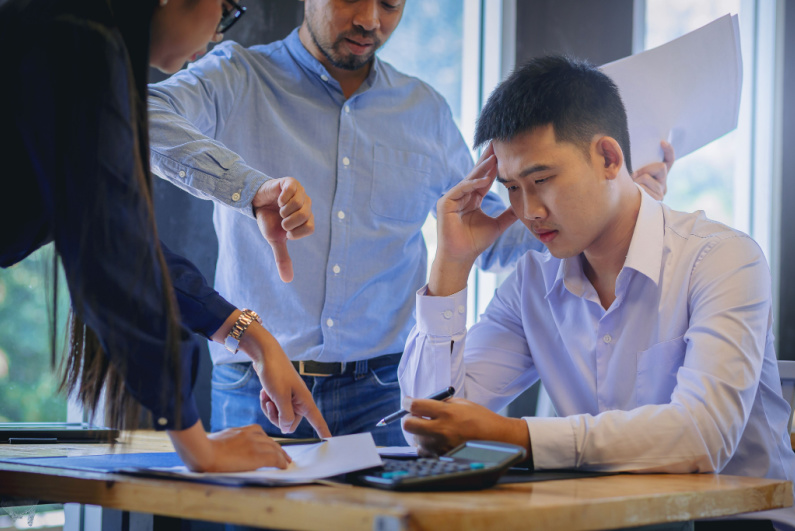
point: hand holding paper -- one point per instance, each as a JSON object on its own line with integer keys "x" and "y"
{"x": 686, "y": 91}
{"x": 654, "y": 176}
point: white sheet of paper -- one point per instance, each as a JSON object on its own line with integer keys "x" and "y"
{"x": 334, "y": 456}
{"x": 686, "y": 91}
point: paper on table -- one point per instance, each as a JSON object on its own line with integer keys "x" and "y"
{"x": 334, "y": 456}
{"x": 686, "y": 91}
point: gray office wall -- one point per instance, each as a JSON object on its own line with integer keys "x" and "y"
{"x": 786, "y": 293}
{"x": 184, "y": 221}
{"x": 597, "y": 31}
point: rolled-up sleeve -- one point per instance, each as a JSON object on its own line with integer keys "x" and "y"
{"x": 185, "y": 112}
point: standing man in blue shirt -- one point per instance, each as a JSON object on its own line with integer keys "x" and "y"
{"x": 649, "y": 328}
{"x": 374, "y": 148}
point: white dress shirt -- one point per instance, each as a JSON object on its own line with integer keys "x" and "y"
{"x": 678, "y": 375}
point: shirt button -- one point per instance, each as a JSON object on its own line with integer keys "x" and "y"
{"x": 462, "y": 309}
{"x": 346, "y": 161}
{"x": 341, "y": 214}
{"x": 182, "y": 174}
{"x": 324, "y": 77}
{"x": 162, "y": 421}
{"x": 347, "y": 108}
{"x": 607, "y": 338}
{"x": 447, "y": 314}
{"x": 330, "y": 322}
{"x": 336, "y": 269}
{"x": 236, "y": 197}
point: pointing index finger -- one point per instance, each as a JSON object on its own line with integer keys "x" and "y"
{"x": 317, "y": 421}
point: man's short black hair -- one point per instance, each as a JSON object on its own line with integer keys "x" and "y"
{"x": 572, "y": 95}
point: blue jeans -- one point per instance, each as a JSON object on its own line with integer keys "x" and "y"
{"x": 350, "y": 403}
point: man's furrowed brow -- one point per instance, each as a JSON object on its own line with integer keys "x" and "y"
{"x": 535, "y": 168}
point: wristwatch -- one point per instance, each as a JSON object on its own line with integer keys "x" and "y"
{"x": 232, "y": 341}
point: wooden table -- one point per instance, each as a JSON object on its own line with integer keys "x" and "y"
{"x": 588, "y": 503}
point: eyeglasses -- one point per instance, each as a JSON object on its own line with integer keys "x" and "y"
{"x": 229, "y": 15}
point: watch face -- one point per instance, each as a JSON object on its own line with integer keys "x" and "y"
{"x": 231, "y": 344}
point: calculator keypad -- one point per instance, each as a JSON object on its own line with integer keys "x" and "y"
{"x": 470, "y": 466}
{"x": 397, "y": 469}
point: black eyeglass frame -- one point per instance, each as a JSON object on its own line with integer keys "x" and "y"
{"x": 230, "y": 16}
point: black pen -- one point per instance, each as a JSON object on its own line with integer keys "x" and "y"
{"x": 397, "y": 415}
{"x": 291, "y": 442}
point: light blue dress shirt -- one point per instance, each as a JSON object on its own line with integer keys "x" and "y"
{"x": 374, "y": 166}
{"x": 678, "y": 375}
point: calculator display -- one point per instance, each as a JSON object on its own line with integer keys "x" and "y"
{"x": 483, "y": 455}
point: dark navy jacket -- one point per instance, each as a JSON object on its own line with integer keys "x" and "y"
{"x": 70, "y": 152}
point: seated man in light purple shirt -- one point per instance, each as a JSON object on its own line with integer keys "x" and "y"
{"x": 649, "y": 328}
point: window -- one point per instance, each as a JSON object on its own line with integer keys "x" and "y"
{"x": 731, "y": 178}
{"x": 28, "y": 386}
{"x": 428, "y": 45}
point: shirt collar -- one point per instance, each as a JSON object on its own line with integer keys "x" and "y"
{"x": 571, "y": 275}
{"x": 644, "y": 254}
{"x": 308, "y": 61}
{"x": 646, "y": 247}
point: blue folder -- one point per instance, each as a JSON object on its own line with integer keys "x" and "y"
{"x": 142, "y": 464}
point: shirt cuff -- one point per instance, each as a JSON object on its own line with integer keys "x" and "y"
{"x": 235, "y": 187}
{"x": 552, "y": 440}
{"x": 244, "y": 182}
{"x": 441, "y": 316}
{"x": 216, "y": 311}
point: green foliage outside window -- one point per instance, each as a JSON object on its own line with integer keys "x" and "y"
{"x": 28, "y": 383}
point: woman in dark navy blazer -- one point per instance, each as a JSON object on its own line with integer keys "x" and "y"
{"x": 75, "y": 168}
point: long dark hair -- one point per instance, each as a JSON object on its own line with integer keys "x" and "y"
{"x": 87, "y": 370}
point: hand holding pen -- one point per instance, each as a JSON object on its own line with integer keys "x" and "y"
{"x": 397, "y": 415}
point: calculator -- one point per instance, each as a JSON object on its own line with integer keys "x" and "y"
{"x": 470, "y": 466}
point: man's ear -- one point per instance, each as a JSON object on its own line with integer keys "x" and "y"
{"x": 610, "y": 154}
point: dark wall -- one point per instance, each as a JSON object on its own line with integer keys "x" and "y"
{"x": 184, "y": 221}
{"x": 597, "y": 31}
{"x": 786, "y": 294}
